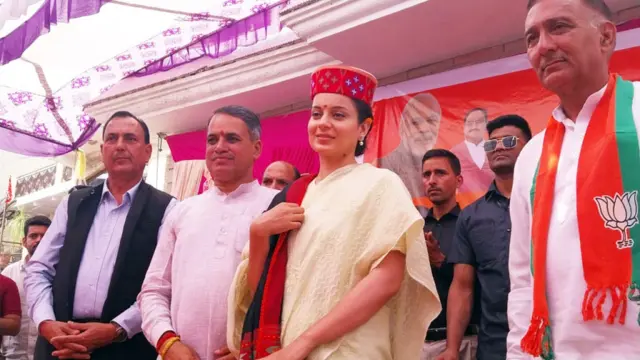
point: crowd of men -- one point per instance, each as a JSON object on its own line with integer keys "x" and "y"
{"x": 475, "y": 239}
{"x": 469, "y": 248}
{"x": 124, "y": 271}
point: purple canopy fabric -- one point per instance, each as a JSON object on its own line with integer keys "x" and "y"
{"x": 28, "y": 144}
{"x": 55, "y": 123}
{"x": 223, "y": 42}
{"x": 50, "y": 13}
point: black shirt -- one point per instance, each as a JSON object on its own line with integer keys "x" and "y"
{"x": 443, "y": 231}
{"x": 482, "y": 240}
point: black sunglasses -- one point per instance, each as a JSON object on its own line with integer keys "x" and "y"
{"x": 508, "y": 142}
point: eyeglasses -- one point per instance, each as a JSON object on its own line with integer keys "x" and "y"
{"x": 508, "y": 142}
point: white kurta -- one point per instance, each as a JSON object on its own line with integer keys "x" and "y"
{"x": 572, "y": 337}
{"x": 477, "y": 152}
{"x": 199, "y": 248}
{"x": 21, "y": 346}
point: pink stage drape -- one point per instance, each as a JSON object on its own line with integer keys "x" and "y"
{"x": 283, "y": 138}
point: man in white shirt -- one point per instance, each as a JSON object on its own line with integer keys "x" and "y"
{"x": 184, "y": 295}
{"x": 573, "y": 281}
{"x": 473, "y": 159}
{"x": 21, "y": 347}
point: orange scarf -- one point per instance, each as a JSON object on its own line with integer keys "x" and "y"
{"x": 607, "y": 209}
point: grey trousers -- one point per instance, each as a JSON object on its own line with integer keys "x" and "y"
{"x": 468, "y": 347}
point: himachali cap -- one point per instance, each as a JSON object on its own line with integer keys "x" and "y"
{"x": 344, "y": 80}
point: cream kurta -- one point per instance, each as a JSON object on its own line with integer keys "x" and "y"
{"x": 199, "y": 248}
{"x": 353, "y": 218}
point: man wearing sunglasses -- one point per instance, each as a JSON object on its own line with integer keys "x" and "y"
{"x": 574, "y": 259}
{"x": 480, "y": 248}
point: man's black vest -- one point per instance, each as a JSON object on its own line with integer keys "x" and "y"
{"x": 137, "y": 245}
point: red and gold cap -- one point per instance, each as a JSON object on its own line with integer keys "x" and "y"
{"x": 344, "y": 80}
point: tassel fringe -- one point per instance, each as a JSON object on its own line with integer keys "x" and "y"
{"x": 547, "y": 349}
{"x": 588, "y": 312}
{"x": 537, "y": 340}
{"x": 618, "y": 304}
{"x": 532, "y": 341}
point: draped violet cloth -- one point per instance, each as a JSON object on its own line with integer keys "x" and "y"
{"x": 45, "y": 81}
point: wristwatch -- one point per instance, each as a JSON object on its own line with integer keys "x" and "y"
{"x": 121, "y": 334}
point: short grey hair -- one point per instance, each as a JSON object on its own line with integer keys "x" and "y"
{"x": 598, "y": 5}
{"x": 251, "y": 119}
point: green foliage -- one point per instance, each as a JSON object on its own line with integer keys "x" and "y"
{"x": 15, "y": 227}
{"x": 14, "y": 232}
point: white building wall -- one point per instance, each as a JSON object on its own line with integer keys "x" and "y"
{"x": 15, "y": 165}
{"x": 157, "y": 168}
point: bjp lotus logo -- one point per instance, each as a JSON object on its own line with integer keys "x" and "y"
{"x": 619, "y": 213}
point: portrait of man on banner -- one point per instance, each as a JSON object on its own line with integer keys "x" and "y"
{"x": 473, "y": 159}
{"x": 418, "y": 129}
{"x": 416, "y": 116}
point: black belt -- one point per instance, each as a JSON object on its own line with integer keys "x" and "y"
{"x": 441, "y": 334}
{"x": 84, "y": 321}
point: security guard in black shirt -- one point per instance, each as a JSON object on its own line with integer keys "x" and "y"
{"x": 441, "y": 177}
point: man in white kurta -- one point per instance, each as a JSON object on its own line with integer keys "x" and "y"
{"x": 199, "y": 247}
{"x": 572, "y": 337}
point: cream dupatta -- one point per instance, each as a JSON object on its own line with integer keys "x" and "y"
{"x": 353, "y": 218}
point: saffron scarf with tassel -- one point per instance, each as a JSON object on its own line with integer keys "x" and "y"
{"x": 262, "y": 326}
{"x": 608, "y": 181}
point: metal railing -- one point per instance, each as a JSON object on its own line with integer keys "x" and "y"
{"x": 35, "y": 181}
{"x": 42, "y": 178}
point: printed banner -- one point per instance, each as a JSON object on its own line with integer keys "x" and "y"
{"x": 406, "y": 126}
{"x": 415, "y": 116}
